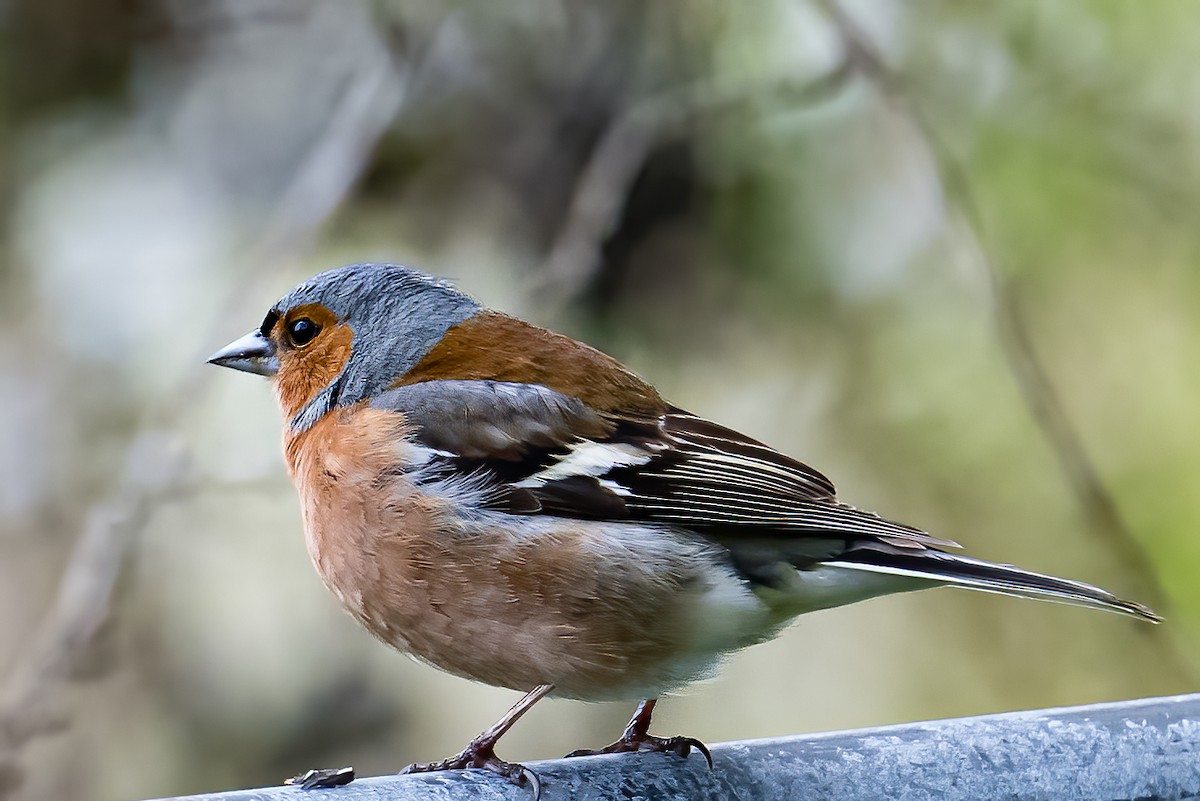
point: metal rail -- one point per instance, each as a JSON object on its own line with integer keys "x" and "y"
{"x": 1147, "y": 750}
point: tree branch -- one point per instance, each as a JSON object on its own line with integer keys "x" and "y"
{"x": 605, "y": 181}
{"x": 1031, "y": 376}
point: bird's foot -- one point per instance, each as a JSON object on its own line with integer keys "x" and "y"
{"x": 481, "y": 754}
{"x": 648, "y": 742}
{"x": 322, "y": 777}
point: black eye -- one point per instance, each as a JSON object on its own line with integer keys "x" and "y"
{"x": 302, "y": 331}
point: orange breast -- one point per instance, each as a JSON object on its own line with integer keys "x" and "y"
{"x": 600, "y": 610}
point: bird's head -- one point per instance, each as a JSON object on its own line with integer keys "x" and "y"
{"x": 347, "y": 335}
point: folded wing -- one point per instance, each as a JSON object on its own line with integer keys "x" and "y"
{"x": 553, "y": 454}
{"x": 538, "y": 451}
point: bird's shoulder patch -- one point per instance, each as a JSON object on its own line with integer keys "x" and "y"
{"x": 496, "y": 347}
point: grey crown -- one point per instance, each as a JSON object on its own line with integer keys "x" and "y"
{"x": 397, "y": 315}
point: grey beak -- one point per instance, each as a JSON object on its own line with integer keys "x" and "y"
{"x": 253, "y": 353}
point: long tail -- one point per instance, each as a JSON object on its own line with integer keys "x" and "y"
{"x": 975, "y": 574}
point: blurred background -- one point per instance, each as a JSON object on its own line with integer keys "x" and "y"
{"x": 946, "y": 253}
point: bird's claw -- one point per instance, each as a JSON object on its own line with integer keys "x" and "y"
{"x": 321, "y": 778}
{"x": 535, "y": 784}
{"x": 688, "y": 743}
{"x": 682, "y": 746}
{"x": 485, "y": 759}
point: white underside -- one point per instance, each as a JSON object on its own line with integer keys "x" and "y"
{"x": 731, "y": 614}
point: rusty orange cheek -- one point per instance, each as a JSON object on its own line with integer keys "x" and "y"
{"x": 303, "y": 372}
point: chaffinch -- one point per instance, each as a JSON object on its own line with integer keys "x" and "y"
{"x": 518, "y": 508}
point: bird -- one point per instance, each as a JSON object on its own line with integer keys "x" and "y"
{"x": 517, "y": 508}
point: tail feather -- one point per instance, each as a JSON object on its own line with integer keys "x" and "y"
{"x": 975, "y": 574}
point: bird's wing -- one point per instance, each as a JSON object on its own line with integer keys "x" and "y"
{"x": 534, "y": 450}
{"x": 551, "y": 453}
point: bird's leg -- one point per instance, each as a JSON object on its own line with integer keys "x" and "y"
{"x": 481, "y": 753}
{"x": 637, "y": 737}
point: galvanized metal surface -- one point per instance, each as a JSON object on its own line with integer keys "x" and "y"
{"x": 1145, "y": 750}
